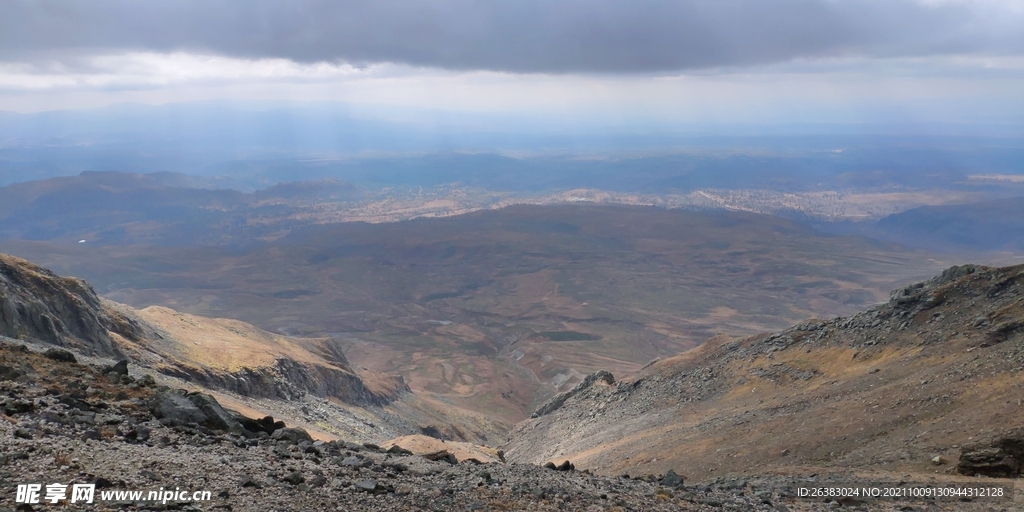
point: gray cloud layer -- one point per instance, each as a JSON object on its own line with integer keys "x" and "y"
{"x": 556, "y": 36}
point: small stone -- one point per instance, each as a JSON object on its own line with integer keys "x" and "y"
{"x": 152, "y": 475}
{"x": 355, "y": 462}
{"x": 93, "y": 434}
{"x": 939, "y": 460}
{"x": 294, "y": 478}
{"x": 248, "y": 481}
{"x": 366, "y": 485}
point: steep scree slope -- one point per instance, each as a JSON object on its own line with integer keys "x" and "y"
{"x": 937, "y": 367}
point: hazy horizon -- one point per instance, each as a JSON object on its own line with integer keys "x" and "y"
{"x": 625, "y": 73}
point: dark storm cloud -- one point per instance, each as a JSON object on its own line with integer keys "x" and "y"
{"x": 512, "y": 35}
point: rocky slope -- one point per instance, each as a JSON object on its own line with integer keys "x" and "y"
{"x": 71, "y": 423}
{"x": 930, "y": 379}
{"x": 38, "y": 305}
{"x": 235, "y": 356}
{"x": 308, "y": 380}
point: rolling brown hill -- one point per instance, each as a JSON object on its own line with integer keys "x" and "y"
{"x": 495, "y": 311}
{"x": 938, "y": 367}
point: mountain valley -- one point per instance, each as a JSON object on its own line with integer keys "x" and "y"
{"x": 495, "y": 311}
{"x": 917, "y": 390}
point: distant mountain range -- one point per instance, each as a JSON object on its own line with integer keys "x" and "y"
{"x": 249, "y": 147}
{"x": 169, "y": 208}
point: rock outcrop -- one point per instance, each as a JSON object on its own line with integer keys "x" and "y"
{"x": 1001, "y": 458}
{"x": 40, "y": 305}
{"x": 556, "y": 401}
{"x": 284, "y": 379}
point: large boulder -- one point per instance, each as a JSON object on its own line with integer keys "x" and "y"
{"x": 216, "y": 417}
{"x": 174, "y": 408}
{"x": 291, "y": 435}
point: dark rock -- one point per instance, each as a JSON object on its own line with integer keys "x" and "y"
{"x": 850, "y": 501}
{"x": 102, "y": 483}
{"x": 671, "y": 479}
{"x": 59, "y": 354}
{"x": 23, "y": 433}
{"x": 175, "y": 408}
{"x": 86, "y": 418}
{"x": 265, "y": 424}
{"x": 566, "y": 466}
{"x": 371, "y": 447}
{"x": 294, "y": 478}
{"x": 551, "y": 465}
{"x": 216, "y": 417}
{"x": 13, "y": 406}
{"x": 93, "y": 434}
{"x": 9, "y": 373}
{"x": 318, "y": 481}
{"x": 442, "y": 455}
{"x": 398, "y": 450}
{"x": 352, "y": 446}
{"x": 1001, "y": 458}
{"x": 117, "y": 369}
{"x": 291, "y": 435}
{"x": 53, "y": 417}
{"x": 356, "y": 462}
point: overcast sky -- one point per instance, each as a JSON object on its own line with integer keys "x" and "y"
{"x": 684, "y": 61}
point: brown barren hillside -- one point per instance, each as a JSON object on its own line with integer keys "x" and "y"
{"x": 308, "y": 381}
{"x": 496, "y": 311}
{"x": 937, "y": 367}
